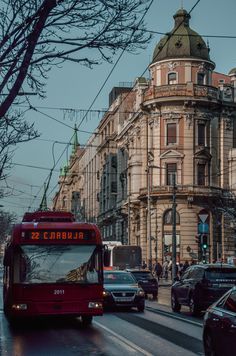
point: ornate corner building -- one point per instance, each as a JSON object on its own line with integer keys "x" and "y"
{"x": 169, "y": 137}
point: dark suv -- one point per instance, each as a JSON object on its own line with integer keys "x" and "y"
{"x": 201, "y": 285}
{"x": 146, "y": 281}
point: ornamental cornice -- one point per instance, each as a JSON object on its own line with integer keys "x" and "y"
{"x": 205, "y": 116}
{"x": 171, "y": 116}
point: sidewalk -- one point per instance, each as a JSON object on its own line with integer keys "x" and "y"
{"x": 164, "y": 295}
{"x": 164, "y": 282}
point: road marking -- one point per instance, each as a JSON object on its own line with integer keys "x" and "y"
{"x": 173, "y": 316}
{"x": 124, "y": 340}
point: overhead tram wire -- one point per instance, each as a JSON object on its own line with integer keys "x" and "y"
{"x": 190, "y": 35}
{"x": 125, "y": 96}
{"x": 52, "y": 169}
{"x": 115, "y": 64}
{"x": 164, "y": 44}
{"x": 151, "y": 2}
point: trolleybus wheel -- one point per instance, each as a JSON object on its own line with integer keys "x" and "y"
{"x": 86, "y": 320}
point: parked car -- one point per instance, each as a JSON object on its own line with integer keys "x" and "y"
{"x": 219, "y": 329}
{"x": 146, "y": 281}
{"x": 201, "y": 285}
{"x": 122, "y": 290}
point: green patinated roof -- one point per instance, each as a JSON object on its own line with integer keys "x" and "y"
{"x": 184, "y": 43}
{"x": 232, "y": 71}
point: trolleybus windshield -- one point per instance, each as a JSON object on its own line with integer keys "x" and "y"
{"x": 57, "y": 264}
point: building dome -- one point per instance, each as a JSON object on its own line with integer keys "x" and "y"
{"x": 181, "y": 42}
{"x": 232, "y": 71}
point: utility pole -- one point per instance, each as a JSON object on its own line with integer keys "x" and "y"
{"x": 174, "y": 230}
{"x": 149, "y": 239}
{"x": 129, "y": 193}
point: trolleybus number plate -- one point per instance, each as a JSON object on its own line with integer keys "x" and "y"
{"x": 59, "y": 291}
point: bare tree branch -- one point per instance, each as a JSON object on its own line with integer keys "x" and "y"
{"x": 46, "y": 32}
{"x": 38, "y": 34}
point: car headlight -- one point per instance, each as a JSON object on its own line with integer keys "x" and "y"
{"x": 140, "y": 293}
{"x": 106, "y": 293}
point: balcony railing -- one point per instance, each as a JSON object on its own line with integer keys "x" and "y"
{"x": 195, "y": 190}
{"x": 187, "y": 90}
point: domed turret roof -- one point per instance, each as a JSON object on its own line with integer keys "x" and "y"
{"x": 181, "y": 42}
{"x": 232, "y": 71}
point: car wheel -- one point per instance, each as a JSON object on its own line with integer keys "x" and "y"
{"x": 193, "y": 307}
{"x": 86, "y": 320}
{"x": 209, "y": 348}
{"x": 154, "y": 296}
{"x": 141, "y": 308}
{"x": 174, "y": 303}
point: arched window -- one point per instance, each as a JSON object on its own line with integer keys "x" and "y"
{"x": 167, "y": 218}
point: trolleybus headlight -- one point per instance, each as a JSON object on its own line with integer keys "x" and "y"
{"x": 19, "y": 306}
{"x": 140, "y": 293}
{"x": 95, "y": 305}
{"x": 106, "y": 293}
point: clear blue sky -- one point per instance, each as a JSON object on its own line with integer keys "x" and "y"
{"x": 74, "y": 86}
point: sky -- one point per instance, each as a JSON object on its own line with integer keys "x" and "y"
{"x": 74, "y": 87}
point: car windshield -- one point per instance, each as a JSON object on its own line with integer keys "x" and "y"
{"x": 221, "y": 273}
{"x": 141, "y": 275}
{"x": 118, "y": 278}
{"x": 57, "y": 264}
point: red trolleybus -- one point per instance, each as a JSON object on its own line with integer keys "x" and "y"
{"x": 53, "y": 266}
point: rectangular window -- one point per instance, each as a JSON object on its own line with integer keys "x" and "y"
{"x": 201, "y": 78}
{"x": 201, "y": 134}
{"x": 201, "y": 168}
{"x": 172, "y": 78}
{"x": 171, "y": 133}
{"x": 171, "y": 173}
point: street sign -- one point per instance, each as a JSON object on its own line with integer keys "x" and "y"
{"x": 203, "y": 228}
{"x": 203, "y": 217}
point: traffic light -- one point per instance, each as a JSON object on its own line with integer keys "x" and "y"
{"x": 204, "y": 242}
{"x": 166, "y": 248}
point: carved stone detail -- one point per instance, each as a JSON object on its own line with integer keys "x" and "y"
{"x": 171, "y": 65}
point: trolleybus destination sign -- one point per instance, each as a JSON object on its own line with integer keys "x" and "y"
{"x": 59, "y": 235}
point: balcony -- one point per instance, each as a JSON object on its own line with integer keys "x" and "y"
{"x": 194, "y": 91}
{"x": 182, "y": 190}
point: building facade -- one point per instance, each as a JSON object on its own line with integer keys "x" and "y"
{"x": 166, "y": 156}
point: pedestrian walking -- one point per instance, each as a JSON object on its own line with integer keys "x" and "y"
{"x": 158, "y": 270}
{"x": 165, "y": 270}
{"x": 185, "y": 266}
{"x": 144, "y": 265}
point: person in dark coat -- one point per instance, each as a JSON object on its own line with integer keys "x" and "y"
{"x": 158, "y": 270}
{"x": 144, "y": 265}
{"x": 185, "y": 266}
